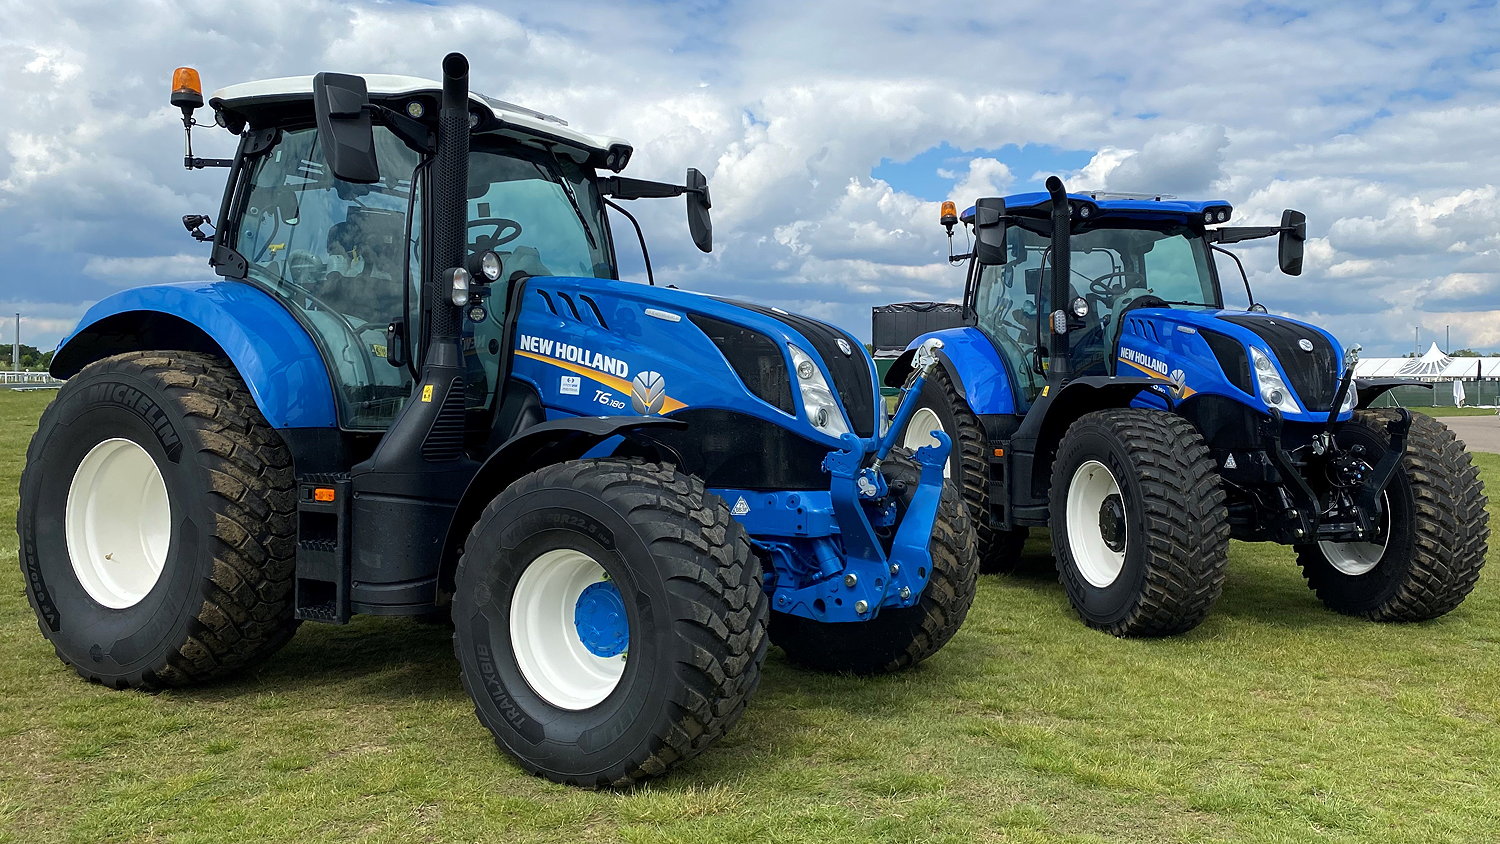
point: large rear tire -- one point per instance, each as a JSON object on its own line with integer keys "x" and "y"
{"x": 609, "y": 620}
{"x": 1437, "y": 534}
{"x": 896, "y": 639}
{"x": 940, "y": 407}
{"x": 158, "y": 523}
{"x": 1138, "y": 522}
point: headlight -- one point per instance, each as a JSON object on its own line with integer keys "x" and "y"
{"x": 1273, "y": 390}
{"x": 817, "y": 400}
{"x": 1349, "y": 399}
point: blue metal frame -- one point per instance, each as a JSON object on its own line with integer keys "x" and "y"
{"x": 271, "y": 350}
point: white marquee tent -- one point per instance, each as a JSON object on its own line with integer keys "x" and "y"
{"x": 1432, "y": 366}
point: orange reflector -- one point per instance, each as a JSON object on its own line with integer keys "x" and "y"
{"x": 999, "y": 452}
{"x": 186, "y": 79}
{"x": 948, "y": 213}
{"x": 323, "y": 493}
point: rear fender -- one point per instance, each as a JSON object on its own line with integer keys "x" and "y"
{"x": 540, "y": 445}
{"x": 272, "y": 352}
{"x": 972, "y": 364}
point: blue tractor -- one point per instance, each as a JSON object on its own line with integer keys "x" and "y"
{"x": 1097, "y": 382}
{"x": 419, "y": 388}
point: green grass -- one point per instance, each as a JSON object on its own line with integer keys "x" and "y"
{"x": 1274, "y": 721}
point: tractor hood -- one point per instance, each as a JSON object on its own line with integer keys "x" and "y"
{"x": 1216, "y": 352}
{"x": 702, "y": 354}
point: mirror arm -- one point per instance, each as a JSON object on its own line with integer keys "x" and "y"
{"x": 1246, "y": 279}
{"x": 624, "y": 187}
{"x": 417, "y": 135}
{"x": 1236, "y": 234}
{"x": 641, "y": 236}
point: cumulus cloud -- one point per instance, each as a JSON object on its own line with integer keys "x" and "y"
{"x": 1375, "y": 120}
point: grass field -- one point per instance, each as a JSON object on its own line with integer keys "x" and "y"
{"x": 1454, "y": 411}
{"x": 1274, "y": 721}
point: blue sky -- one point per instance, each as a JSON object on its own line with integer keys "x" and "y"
{"x": 828, "y": 131}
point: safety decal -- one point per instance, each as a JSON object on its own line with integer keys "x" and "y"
{"x": 741, "y": 507}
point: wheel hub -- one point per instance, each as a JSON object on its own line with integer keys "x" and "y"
{"x": 599, "y": 618}
{"x": 118, "y": 523}
{"x": 1112, "y": 522}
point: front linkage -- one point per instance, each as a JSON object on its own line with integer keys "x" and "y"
{"x": 844, "y": 554}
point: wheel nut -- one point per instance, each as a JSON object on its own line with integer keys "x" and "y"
{"x": 851, "y": 580}
{"x": 861, "y": 606}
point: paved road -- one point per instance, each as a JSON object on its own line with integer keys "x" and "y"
{"x": 1481, "y": 433}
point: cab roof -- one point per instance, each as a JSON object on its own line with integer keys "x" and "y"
{"x": 1117, "y": 206}
{"x": 273, "y": 101}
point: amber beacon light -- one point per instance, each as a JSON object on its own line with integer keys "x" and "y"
{"x": 187, "y": 90}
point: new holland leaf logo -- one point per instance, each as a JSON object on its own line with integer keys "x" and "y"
{"x": 648, "y": 392}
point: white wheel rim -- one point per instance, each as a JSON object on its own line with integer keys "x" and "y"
{"x": 1358, "y": 558}
{"x": 1099, "y": 563}
{"x": 545, "y": 636}
{"x": 919, "y": 430}
{"x": 118, "y": 523}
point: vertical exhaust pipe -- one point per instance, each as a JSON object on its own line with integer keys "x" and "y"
{"x": 430, "y": 428}
{"x": 1060, "y": 365}
{"x": 450, "y": 219}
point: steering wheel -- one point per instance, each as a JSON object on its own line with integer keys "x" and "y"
{"x": 505, "y": 231}
{"x": 1103, "y": 290}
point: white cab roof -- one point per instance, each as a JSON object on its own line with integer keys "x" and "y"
{"x": 246, "y": 96}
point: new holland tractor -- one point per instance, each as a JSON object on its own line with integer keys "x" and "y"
{"x": 1099, "y": 384}
{"x": 419, "y": 387}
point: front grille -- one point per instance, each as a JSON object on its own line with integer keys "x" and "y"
{"x": 755, "y": 358}
{"x": 728, "y": 449}
{"x": 851, "y": 374}
{"x": 1315, "y": 374}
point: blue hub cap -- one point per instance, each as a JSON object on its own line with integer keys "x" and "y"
{"x": 599, "y": 617}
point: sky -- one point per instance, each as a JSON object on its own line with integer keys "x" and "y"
{"x": 829, "y": 133}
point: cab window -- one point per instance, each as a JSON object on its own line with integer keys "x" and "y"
{"x": 337, "y": 254}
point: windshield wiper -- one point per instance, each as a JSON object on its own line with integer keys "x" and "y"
{"x": 562, "y": 179}
{"x": 1195, "y": 304}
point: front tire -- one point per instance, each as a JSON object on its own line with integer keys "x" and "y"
{"x": 609, "y": 620}
{"x": 1437, "y": 534}
{"x": 940, "y": 407}
{"x": 898, "y": 638}
{"x": 158, "y": 522}
{"x": 1138, "y": 522}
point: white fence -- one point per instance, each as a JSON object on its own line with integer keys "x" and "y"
{"x": 28, "y": 380}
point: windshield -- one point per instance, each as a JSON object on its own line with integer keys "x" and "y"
{"x": 1111, "y": 268}
{"x": 540, "y": 212}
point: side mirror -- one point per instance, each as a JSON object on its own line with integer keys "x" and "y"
{"x": 344, "y": 127}
{"x": 989, "y": 230}
{"x": 1289, "y": 246}
{"x": 698, "y": 203}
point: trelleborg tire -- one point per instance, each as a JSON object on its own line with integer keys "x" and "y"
{"x": 897, "y": 638}
{"x": 1138, "y": 522}
{"x": 158, "y": 523}
{"x": 1437, "y": 530}
{"x": 609, "y": 620}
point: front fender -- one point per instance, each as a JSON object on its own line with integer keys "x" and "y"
{"x": 272, "y": 352}
{"x": 972, "y": 364}
{"x": 540, "y": 445}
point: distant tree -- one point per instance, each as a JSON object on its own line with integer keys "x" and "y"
{"x": 1465, "y": 353}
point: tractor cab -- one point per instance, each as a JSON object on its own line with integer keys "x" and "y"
{"x": 347, "y": 252}
{"x": 1127, "y": 252}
